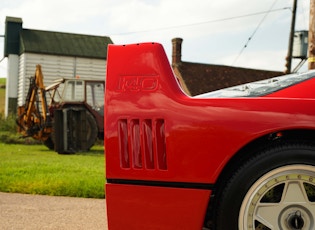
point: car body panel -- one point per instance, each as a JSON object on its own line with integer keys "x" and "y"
{"x": 159, "y": 140}
{"x": 147, "y": 207}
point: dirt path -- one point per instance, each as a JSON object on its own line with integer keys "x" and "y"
{"x": 21, "y": 211}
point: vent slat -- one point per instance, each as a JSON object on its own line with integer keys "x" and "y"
{"x": 148, "y": 143}
{"x": 123, "y": 143}
{"x": 160, "y": 144}
{"x": 135, "y": 145}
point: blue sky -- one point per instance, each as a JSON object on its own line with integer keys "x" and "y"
{"x": 214, "y": 31}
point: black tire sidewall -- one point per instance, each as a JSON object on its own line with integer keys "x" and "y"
{"x": 93, "y": 130}
{"x": 234, "y": 190}
{"x": 49, "y": 143}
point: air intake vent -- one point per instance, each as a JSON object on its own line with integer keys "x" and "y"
{"x": 142, "y": 144}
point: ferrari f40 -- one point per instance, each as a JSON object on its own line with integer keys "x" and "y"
{"x": 237, "y": 158}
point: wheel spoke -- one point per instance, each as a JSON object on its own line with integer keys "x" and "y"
{"x": 267, "y": 214}
{"x": 294, "y": 193}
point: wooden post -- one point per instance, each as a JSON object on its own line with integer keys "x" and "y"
{"x": 290, "y": 48}
{"x": 311, "y": 37}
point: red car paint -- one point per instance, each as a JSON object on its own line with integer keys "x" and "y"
{"x": 165, "y": 150}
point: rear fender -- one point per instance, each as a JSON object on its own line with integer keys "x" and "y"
{"x": 140, "y": 87}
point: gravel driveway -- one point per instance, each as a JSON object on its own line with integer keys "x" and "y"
{"x": 22, "y": 211}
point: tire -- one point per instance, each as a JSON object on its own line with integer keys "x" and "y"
{"x": 49, "y": 143}
{"x": 91, "y": 133}
{"x": 273, "y": 190}
{"x": 92, "y": 130}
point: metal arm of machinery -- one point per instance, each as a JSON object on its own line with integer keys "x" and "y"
{"x": 34, "y": 118}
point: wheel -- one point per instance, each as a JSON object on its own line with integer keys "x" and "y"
{"x": 273, "y": 190}
{"x": 81, "y": 130}
{"x": 49, "y": 143}
{"x": 92, "y": 130}
{"x": 91, "y": 134}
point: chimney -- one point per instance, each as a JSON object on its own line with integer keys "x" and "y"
{"x": 177, "y": 50}
{"x": 13, "y": 27}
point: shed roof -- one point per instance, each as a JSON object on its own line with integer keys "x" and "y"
{"x": 65, "y": 44}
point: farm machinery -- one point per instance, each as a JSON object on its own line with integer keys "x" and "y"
{"x": 67, "y": 116}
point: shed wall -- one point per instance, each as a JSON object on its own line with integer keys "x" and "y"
{"x": 56, "y": 67}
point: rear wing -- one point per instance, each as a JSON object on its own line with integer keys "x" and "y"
{"x": 139, "y": 68}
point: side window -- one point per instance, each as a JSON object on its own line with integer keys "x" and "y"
{"x": 95, "y": 96}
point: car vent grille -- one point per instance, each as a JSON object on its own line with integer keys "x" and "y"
{"x": 142, "y": 143}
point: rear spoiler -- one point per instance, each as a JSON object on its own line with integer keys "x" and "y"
{"x": 140, "y": 68}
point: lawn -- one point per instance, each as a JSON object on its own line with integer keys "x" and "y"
{"x": 34, "y": 169}
{"x": 29, "y": 167}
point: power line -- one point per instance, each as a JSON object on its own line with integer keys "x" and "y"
{"x": 252, "y": 35}
{"x": 201, "y": 23}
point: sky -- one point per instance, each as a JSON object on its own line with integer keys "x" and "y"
{"x": 242, "y": 33}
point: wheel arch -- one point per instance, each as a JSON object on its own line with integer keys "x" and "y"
{"x": 261, "y": 143}
{"x": 250, "y": 150}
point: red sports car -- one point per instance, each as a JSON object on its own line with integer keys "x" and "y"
{"x": 237, "y": 158}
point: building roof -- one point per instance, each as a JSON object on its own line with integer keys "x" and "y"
{"x": 203, "y": 78}
{"x": 197, "y": 78}
{"x": 65, "y": 44}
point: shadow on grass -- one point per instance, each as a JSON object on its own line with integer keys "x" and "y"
{"x": 95, "y": 151}
{"x": 92, "y": 152}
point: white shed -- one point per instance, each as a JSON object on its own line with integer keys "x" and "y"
{"x": 61, "y": 55}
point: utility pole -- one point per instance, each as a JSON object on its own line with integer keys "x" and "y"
{"x": 290, "y": 48}
{"x": 311, "y": 37}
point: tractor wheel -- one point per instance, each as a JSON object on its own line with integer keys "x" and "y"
{"x": 92, "y": 130}
{"x": 273, "y": 190}
{"x": 49, "y": 143}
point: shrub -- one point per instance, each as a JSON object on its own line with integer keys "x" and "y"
{"x": 7, "y": 124}
{"x": 9, "y": 134}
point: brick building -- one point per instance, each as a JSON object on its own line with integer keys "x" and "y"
{"x": 197, "y": 78}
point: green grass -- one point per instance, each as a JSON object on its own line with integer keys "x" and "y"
{"x": 26, "y": 166}
{"x": 33, "y": 169}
